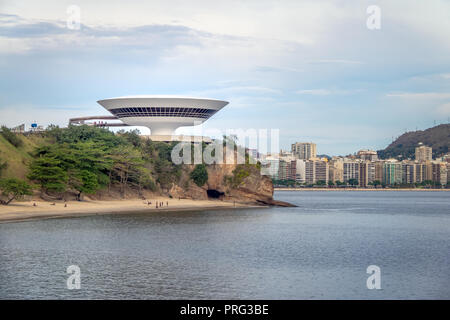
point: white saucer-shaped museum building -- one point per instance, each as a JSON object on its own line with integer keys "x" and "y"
{"x": 162, "y": 114}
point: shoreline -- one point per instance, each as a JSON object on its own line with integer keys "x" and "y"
{"x": 357, "y": 189}
{"x": 25, "y": 211}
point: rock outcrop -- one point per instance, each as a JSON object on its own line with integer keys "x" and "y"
{"x": 241, "y": 183}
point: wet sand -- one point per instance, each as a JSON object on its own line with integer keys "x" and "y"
{"x": 21, "y": 211}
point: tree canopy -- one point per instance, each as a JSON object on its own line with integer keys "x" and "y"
{"x": 13, "y": 189}
{"x": 199, "y": 175}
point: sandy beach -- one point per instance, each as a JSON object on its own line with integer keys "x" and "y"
{"x": 21, "y": 211}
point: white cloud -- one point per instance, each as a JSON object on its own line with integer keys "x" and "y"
{"x": 420, "y": 95}
{"x": 326, "y": 92}
{"x": 242, "y": 90}
{"x": 315, "y": 92}
{"x": 336, "y": 61}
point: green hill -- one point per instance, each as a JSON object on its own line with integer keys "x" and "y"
{"x": 436, "y": 137}
{"x": 18, "y": 158}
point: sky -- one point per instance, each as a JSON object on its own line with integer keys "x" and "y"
{"x": 312, "y": 69}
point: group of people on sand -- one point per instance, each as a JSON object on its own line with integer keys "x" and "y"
{"x": 158, "y": 204}
{"x": 52, "y": 204}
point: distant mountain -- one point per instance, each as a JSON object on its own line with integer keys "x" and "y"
{"x": 437, "y": 137}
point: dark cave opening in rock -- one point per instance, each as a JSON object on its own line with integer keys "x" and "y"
{"x": 212, "y": 193}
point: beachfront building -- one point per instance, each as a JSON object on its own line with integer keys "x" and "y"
{"x": 448, "y": 173}
{"x": 439, "y": 172}
{"x": 336, "y": 170}
{"x": 316, "y": 170}
{"x": 378, "y": 171}
{"x": 283, "y": 170}
{"x": 419, "y": 172}
{"x": 392, "y": 172}
{"x": 300, "y": 171}
{"x": 366, "y": 173}
{"x": 350, "y": 170}
{"x": 408, "y": 172}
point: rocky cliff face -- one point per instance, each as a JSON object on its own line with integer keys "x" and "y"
{"x": 240, "y": 183}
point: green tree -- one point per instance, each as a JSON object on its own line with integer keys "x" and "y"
{"x": 132, "y": 137}
{"x": 199, "y": 175}
{"x": 353, "y": 182}
{"x": 101, "y": 137}
{"x": 48, "y": 173}
{"x": 14, "y": 189}
{"x": 84, "y": 163}
{"x": 166, "y": 171}
{"x": 127, "y": 161}
{"x": 84, "y": 182}
{"x": 330, "y": 183}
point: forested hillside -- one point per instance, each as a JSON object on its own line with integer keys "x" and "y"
{"x": 79, "y": 161}
{"x": 437, "y": 137}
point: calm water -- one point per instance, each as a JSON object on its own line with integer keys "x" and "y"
{"x": 319, "y": 250}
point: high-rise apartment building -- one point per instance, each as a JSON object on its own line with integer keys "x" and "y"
{"x": 322, "y": 171}
{"x": 316, "y": 170}
{"x": 439, "y": 173}
{"x": 368, "y": 155}
{"x": 448, "y": 172}
{"x": 378, "y": 171}
{"x": 408, "y": 172}
{"x": 392, "y": 173}
{"x": 351, "y": 170}
{"x": 424, "y": 153}
{"x": 300, "y": 171}
{"x": 304, "y": 150}
{"x": 336, "y": 170}
{"x": 419, "y": 172}
{"x": 366, "y": 173}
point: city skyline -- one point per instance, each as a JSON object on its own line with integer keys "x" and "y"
{"x": 295, "y": 67}
{"x": 363, "y": 169}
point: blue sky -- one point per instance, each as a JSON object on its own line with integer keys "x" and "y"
{"x": 309, "y": 68}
